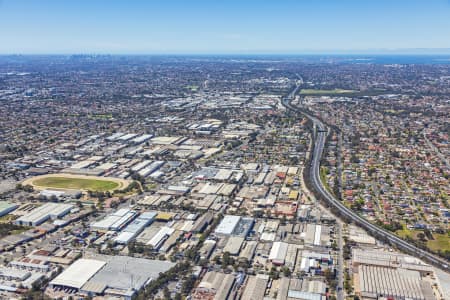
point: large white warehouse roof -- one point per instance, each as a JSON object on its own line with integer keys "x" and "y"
{"x": 43, "y": 213}
{"x": 228, "y": 224}
{"x": 77, "y": 274}
{"x": 278, "y": 252}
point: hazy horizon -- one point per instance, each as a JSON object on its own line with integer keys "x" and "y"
{"x": 368, "y": 52}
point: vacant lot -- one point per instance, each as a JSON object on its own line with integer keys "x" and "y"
{"x": 8, "y": 229}
{"x": 76, "y": 182}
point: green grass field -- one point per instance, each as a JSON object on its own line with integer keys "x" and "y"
{"x": 101, "y": 116}
{"x": 76, "y": 184}
{"x": 314, "y": 92}
{"x": 440, "y": 242}
{"x": 193, "y": 88}
{"x": 403, "y": 233}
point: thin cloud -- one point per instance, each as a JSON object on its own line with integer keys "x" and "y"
{"x": 234, "y": 36}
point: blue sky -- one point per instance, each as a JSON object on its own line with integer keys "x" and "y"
{"x": 222, "y": 26}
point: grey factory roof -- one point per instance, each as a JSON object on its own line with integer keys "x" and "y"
{"x": 233, "y": 245}
{"x": 123, "y": 272}
{"x": 6, "y": 207}
{"x": 14, "y": 273}
{"x": 255, "y": 287}
{"x": 114, "y": 221}
{"x": 42, "y": 213}
{"x": 219, "y": 282}
{"x": 399, "y": 283}
{"x": 389, "y": 259}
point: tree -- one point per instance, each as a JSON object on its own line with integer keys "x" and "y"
{"x": 334, "y": 246}
{"x": 329, "y": 275}
{"x": 227, "y": 259}
{"x": 166, "y": 293}
{"x": 274, "y": 273}
{"x": 428, "y": 234}
{"x": 421, "y": 236}
{"x": 131, "y": 247}
{"x": 188, "y": 285}
{"x": 286, "y": 271}
{"x": 177, "y": 296}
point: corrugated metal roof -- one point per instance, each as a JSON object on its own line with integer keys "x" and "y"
{"x": 304, "y": 295}
{"x": 77, "y": 274}
{"x": 278, "y": 251}
{"x": 94, "y": 287}
{"x": 228, "y": 224}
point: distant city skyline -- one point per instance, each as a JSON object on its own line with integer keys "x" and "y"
{"x": 225, "y": 27}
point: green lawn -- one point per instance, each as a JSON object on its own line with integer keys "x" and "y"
{"x": 76, "y": 183}
{"x": 403, "y": 233}
{"x": 101, "y": 116}
{"x": 192, "y": 87}
{"x": 326, "y": 92}
{"x": 440, "y": 242}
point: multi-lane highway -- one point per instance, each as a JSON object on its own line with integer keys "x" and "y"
{"x": 320, "y": 137}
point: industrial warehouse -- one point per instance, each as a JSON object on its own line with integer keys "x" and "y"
{"x": 393, "y": 275}
{"x": 115, "y": 221}
{"x": 43, "y": 213}
{"x": 7, "y": 207}
{"x": 235, "y": 225}
{"x": 135, "y": 227}
{"x": 107, "y": 275}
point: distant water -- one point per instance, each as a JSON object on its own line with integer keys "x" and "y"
{"x": 371, "y": 59}
{"x": 398, "y": 59}
{"x": 384, "y": 59}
